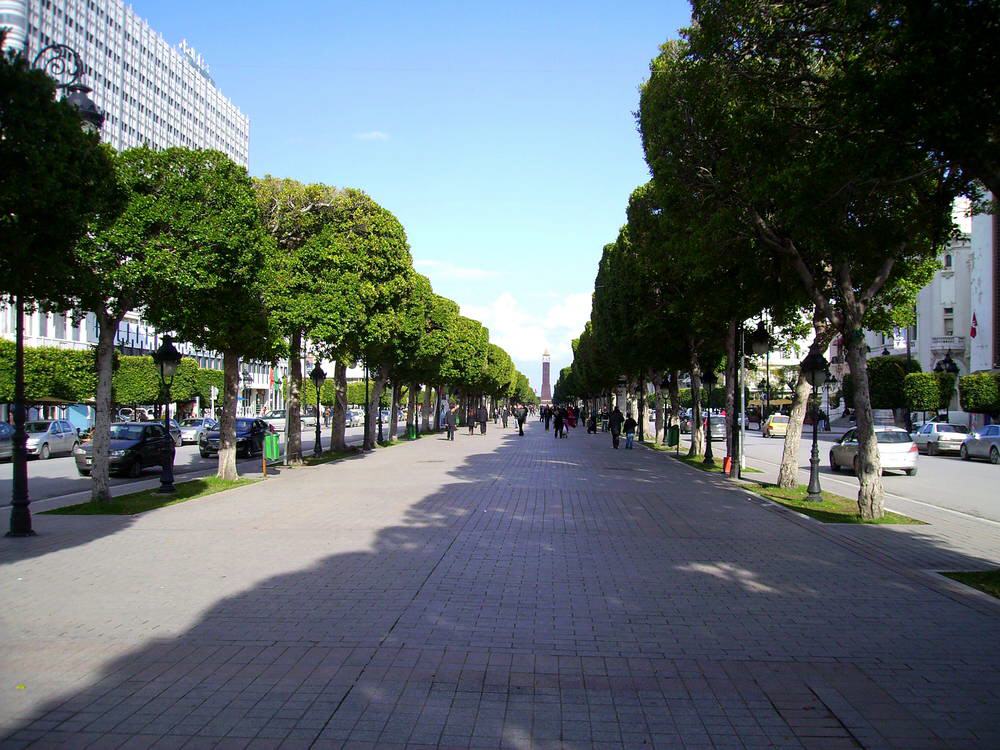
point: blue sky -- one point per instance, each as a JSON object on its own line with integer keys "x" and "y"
{"x": 502, "y": 135}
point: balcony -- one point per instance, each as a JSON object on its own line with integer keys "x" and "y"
{"x": 943, "y": 344}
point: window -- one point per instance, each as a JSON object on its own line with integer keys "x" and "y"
{"x": 947, "y": 261}
{"x": 949, "y": 321}
{"x": 43, "y": 324}
{"x": 59, "y": 326}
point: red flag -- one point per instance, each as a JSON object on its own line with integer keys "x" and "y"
{"x": 975, "y": 325}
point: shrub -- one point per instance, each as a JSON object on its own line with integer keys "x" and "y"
{"x": 979, "y": 392}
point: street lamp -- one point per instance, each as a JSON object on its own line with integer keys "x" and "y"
{"x": 710, "y": 380}
{"x": 365, "y": 446}
{"x": 949, "y": 366}
{"x": 166, "y": 359}
{"x": 318, "y": 377}
{"x": 830, "y": 380}
{"x": 814, "y": 370}
{"x": 760, "y": 343}
{"x": 65, "y": 65}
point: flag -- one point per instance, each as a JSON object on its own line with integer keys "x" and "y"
{"x": 975, "y": 325}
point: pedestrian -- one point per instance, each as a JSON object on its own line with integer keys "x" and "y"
{"x": 470, "y": 419}
{"x": 630, "y": 425}
{"x": 504, "y": 414}
{"x": 451, "y": 421}
{"x": 559, "y": 422}
{"x": 592, "y": 424}
{"x": 520, "y": 414}
{"x": 615, "y": 422}
{"x": 483, "y": 416}
{"x": 546, "y": 416}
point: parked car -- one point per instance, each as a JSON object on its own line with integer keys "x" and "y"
{"x": 276, "y": 420}
{"x": 776, "y": 426}
{"x": 192, "y": 428}
{"x": 128, "y": 414}
{"x": 250, "y": 432}
{"x": 940, "y": 437}
{"x": 133, "y": 447}
{"x": 718, "y": 426}
{"x": 983, "y": 443}
{"x": 896, "y": 450}
{"x": 354, "y": 418}
{"x": 49, "y": 436}
{"x": 6, "y": 440}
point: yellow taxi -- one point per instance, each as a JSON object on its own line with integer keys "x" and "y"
{"x": 776, "y": 426}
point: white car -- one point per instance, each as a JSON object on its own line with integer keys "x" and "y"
{"x": 896, "y": 450}
{"x": 354, "y": 418}
{"x": 940, "y": 437}
{"x": 191, "y": 429}
{"x": 275, "y": 420}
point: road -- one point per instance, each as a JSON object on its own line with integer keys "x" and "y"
{"x": 969, "y": 487}
{"x": 58, "y": 475}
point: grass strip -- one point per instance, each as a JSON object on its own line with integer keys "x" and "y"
{"x": 140, "y": 502}
{"x": 326, "y": 457}
{"x": 697, "y": 462}
{"x": 832, "y": 509}
{"x": 984, "y": 580}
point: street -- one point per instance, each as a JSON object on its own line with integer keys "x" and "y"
{"x": 969, "y": 487}
{"x": 58, "y": 475}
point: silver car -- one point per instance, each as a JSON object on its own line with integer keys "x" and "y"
{"x": 276, "y": 420}
{"x": 49, "y": 436}
{"x": 940, "y": 437}
{"x": 191, "y": 429}
{"x": 896, "y": 450}
{"x": 983, "y": 443}
{"x": 6, "y": 440}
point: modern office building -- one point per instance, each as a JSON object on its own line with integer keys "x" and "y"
{"x": 153, "y": 94}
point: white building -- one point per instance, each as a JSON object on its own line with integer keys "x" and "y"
{"x": 984, "y": 349}
{"x": 153, "y": 94}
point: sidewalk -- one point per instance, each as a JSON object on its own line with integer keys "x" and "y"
{"x": 493, "y": 592}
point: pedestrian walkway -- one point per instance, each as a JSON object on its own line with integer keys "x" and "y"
{"x": 498, "y": 591}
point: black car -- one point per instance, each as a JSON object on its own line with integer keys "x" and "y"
{"x": 250, "y": 434}
{"x": 134, "y": 446}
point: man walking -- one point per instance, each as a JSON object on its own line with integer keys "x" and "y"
{"x": 630, "y": 425}
{"x": 546, "y": 416}
{"x": 504, "y": 412}
{"x": 483, "y": 416}
{"x": 615, "y": 423}
{"x": 520, "y": 414}
{"x": 450, "y": 420}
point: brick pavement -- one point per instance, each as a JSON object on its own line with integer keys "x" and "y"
{"x": 494, "y": 592}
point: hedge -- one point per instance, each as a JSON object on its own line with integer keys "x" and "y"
{"x": 979, "y": 393}
{"x": 885, "y": 381}
{"x": 50, "y": 373}
{"x": 137, "y": 381}
{"x": 928, "y": 391}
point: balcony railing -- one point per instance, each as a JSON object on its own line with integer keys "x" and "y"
{"x": 943, "y": 344}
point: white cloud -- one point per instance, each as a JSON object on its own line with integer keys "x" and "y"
{"x": 441, "y": 270}
{"x": 526, "y": 335}
{"x": 372, "y": 135}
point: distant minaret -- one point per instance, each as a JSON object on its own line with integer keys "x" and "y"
{"x": 546, "y": 397}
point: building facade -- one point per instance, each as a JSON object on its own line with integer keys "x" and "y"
{"x": 153, "y": 94}
{"x": 984, "y": 349}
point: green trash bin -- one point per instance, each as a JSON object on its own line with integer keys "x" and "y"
{"x": 411, "y": 432}
{"x": 272, "y": 447}
{"x": 674, "y": 435}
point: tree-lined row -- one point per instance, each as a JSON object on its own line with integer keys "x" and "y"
{"x": 253, "y": 269}
{"x": 802, "y": 166}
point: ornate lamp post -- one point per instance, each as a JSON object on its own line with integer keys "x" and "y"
{"x": 949, "y": 366}
{"x": 814, "y": 370}
{"x": 167, "y": 358}
{"x": 710, "y": 380}
{"x": 63, "y": 64}
{"x": 365, "y": 447}
{"x": 318, "y": 377}
{"x": 760, "y": 343}
{"x": 831, "y": 380}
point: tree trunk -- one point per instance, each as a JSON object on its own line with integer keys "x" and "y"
{"x": 338, "y": 425}
{"x": 227, "y": 424}
{"x": 411, "y": 408}
{"x": 374, "y": 401}
{"x": 394, "y": 411}
{"x": 642, "y": 407}
{"x": 674, "y": 394}
{"x": 788, "y": 474}
{"x": 425, "y": 416}
{"x": 871, "y": 494}
{"x": 100, "y": 484}
{"x": 731, "y": 377}
{"x": 438, "y": 401}
{"x": 294, "y": 405}
{"x": 697, "y": 435}
{"x": 657, "y": 381}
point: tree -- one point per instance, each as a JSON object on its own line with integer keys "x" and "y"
{"x": 206, "y": 273}
{"x": 55, "y": 182}
{"x": 309, "y": 292}
{"x": 838, "y": 205}
{"x": 979, "y": 393}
